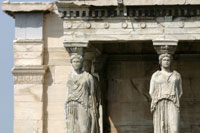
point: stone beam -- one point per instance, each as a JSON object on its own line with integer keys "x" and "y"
{"x": 87, "y": 3}
{"x": 82, "y": 44}
{"x": 128, "y": 2}
{"x": 161, "y": 2}
{"x": 15, "y": 7}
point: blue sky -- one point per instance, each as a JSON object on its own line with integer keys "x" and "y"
{"x": 7, "y": 36}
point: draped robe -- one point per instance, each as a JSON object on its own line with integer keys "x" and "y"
{"x": 165, "y": 92}
{"x": 80, "y": 106}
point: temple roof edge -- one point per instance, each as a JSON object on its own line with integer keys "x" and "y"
{"x": 14, "y": 7}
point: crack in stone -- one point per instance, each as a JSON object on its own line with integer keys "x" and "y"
{"x": 139, "y": 91}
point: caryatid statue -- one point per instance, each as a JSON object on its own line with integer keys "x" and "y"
{"x": 165, "y": 91}
{"x": 80, "y": 106}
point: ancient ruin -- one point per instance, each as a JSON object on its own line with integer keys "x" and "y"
{"x": 85, "y": 66}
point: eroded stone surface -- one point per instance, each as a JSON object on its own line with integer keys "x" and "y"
{"x": 13, "y": 7}
{"x": 130, "y": 2}
{"x": 25, "y": 126}
{"x": 28, "y": 111}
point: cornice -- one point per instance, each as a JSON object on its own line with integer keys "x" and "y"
{"x": 36, "y": 70}
{"x": 15, "y": 7}
{"x": 127, "y": 2}
{"x": 29, "y": 74}
{"x": 27, "y": 41}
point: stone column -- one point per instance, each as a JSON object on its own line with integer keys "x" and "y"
{"x": 81, "y": 47}
{"x": 165, "y": 90}
{"x": 89, "y": 55}
{"x": 28, "y": 75}
{"x": 29, "y": 69}
{"x": 91, "y": 62}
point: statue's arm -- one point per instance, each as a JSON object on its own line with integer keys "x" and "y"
{"x": 152, "y": 85}
{"x": 68, "y": 86}
{"x": 93, "y": 102}
{"x": 151, "y": 88}
{"x": 180, "y": 89}
{"x": 92, "y": 86}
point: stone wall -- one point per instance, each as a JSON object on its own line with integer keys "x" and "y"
{"x": 128, "y": 102}
{"x": 57, "y": 58}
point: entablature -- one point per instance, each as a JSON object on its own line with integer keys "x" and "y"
{"x": 129, "y": 2}
{"x": 79, "y": 10}
{"x": 130, "y": 11}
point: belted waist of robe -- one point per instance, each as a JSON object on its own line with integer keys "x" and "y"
{"x": 171, "y": 98}
{"x": 79, "y": 92}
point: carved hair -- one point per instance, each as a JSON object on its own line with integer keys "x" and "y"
{"x": 164, "y": 55}
{"x": 76, "y": 56}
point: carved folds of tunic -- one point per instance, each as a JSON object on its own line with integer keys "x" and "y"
{"x": 81, "y": 104}
{"x": 165, "y": 92}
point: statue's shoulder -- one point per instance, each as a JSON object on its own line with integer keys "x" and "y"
{"x": 69, "y": 75}
{"x": 156, "y": 73}
{"x": 177, "y": 73}
{"x": 87, "y": 74}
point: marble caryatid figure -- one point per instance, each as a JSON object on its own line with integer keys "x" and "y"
{"x": 80, "y": 106}
{"x": 165, "y": 91}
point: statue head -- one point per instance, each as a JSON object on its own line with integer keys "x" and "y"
{"x": 77, "y": 62}
{"x": 165, "y": 60}
{"x": 87, "y": 65}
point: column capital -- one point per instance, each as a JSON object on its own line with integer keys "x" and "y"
{"x": 75, "y": 47}
{"x": 72, "y": 44}
{"x": 165, "y": 46}
{"x": 83, "y": 48}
